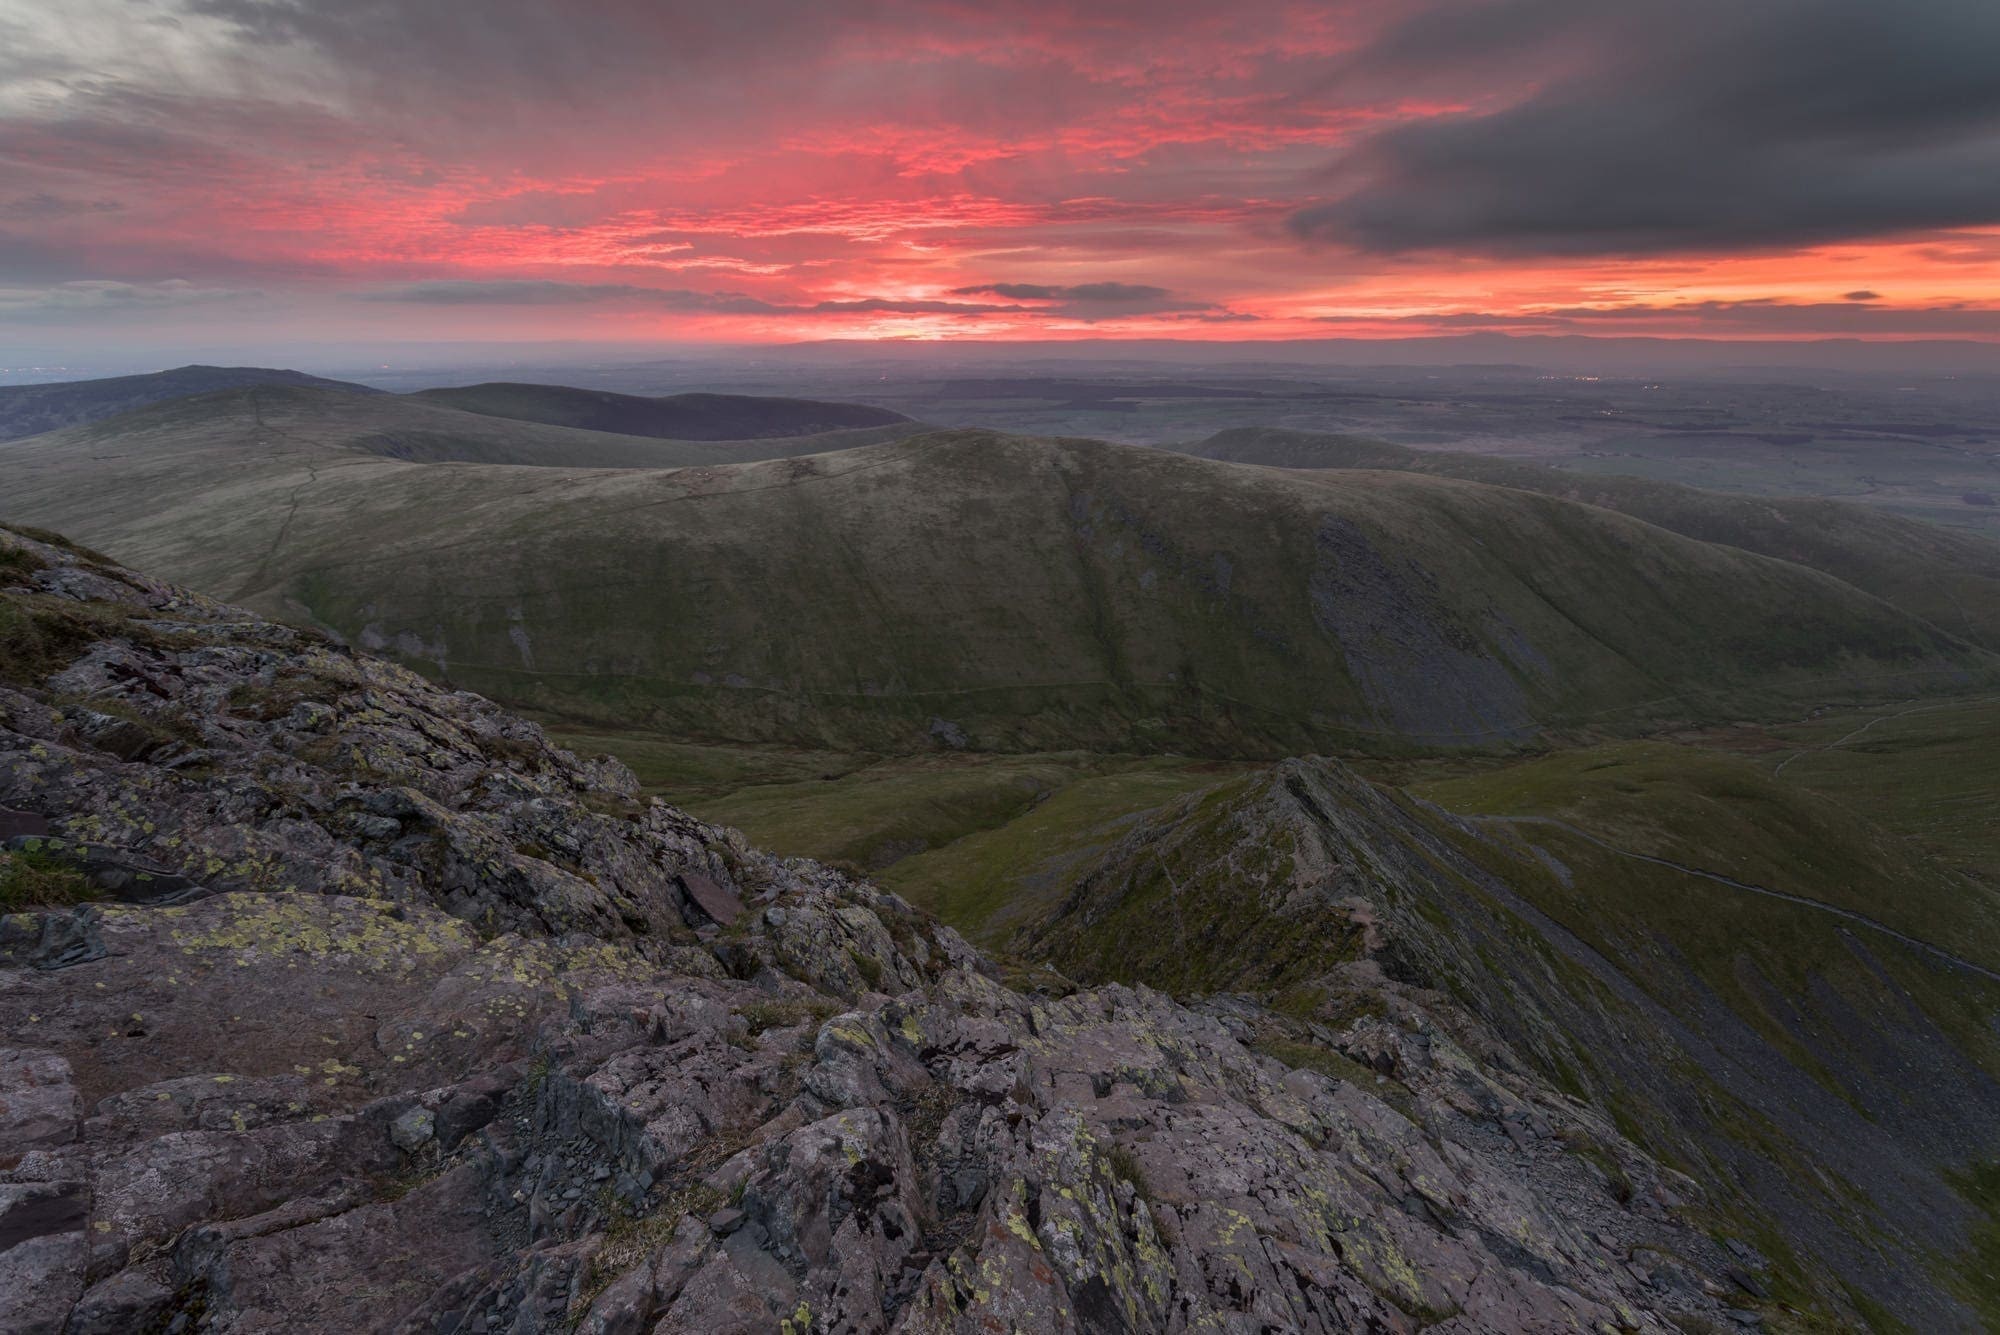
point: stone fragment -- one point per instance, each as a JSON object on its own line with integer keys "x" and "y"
{"x": 39, "y": 1104}
{"x": 413, "y": 1130}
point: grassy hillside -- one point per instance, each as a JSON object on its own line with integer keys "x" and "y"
{"x": 299, "y": 420}
{"x": 964, "y": 588}
{"x": 1830, "y": 1084}
{"x": 671, "y": 417}
{"x": 29, "y": 410}
{"x": 1727, "y": 816}
{"x": 1927, "y": 769}
{"x": 991, "y": 882}
{"x": 980, "y": 839}
{"x": 1949, "y": 577}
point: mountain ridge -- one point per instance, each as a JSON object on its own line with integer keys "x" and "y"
{"x": 1950, "y": 578}
{"x": 693, "y": 416}
{"x": 970, "y": 588}
{"x": 28, "y": 410}
{"x": 1743, "y": 1051}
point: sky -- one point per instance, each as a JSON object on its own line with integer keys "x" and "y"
{"x": 768, "y": 171}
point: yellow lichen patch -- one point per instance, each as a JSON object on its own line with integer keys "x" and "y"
{"x": 853, "y": 1035}
{"x": 599, "y": 958}
{"x": 1383, "y": 1268}
{"x": 1234, "y": 1222}
{"x": 260, "y": 928}
{"x": 1015, "y": 1216}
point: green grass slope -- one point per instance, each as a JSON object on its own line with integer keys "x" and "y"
{"x": 1927, "y": 769}
{"x": 970, "y": 589}
{"x": 978, "y": 838}
{"x": 1831, "y": 1085}
{"x": 1949, "y": 577}
{"x": 29, "y": 410}
{"x": 992, "y": 881}
{"x": 671, "y": 417}
{"x": 870, "y": 818}
{"x": 1728, "y": 816}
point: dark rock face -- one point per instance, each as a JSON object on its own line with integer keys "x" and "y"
{"x": 21, "y": 825}
{"x": 1413, "y": 671}
{"x": 452, "y": 1033}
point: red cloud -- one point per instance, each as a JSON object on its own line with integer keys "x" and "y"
{"x": 784, "y": 168}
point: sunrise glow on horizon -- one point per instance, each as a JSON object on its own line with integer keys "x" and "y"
{"x": 774, "y": 171}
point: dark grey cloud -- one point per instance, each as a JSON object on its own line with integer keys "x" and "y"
{"x": 107, "y": 297}
{"x": 1014, "y": 291}
{"x": 533, "y": 77}
{"x": 539, "y": 292}
{"x": 545, "y": 292}
{"x": 884, "y": 306}
{"x": 1097, "y": 301}
{"x": 1669, "y": 125}
{"x": 1863, "y": 295}
{"x": 547, "y": 52}
{"x": 1792, "y": 317}
{"x": 45, "y": 204}
{"x": 1754, "y": 318}
{"x": 1107, "y": 293}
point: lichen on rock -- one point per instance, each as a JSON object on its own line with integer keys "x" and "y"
{"x": 434, "y": 1036}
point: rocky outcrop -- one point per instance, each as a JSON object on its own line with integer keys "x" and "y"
{"x": 1839, "y": 1135}
{"x": 371, "y": 1010}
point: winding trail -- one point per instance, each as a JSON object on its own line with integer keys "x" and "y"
{"x": 1837, "y": 743}
{"x": 1939, "y": 952}
{"x": 261, "y": 575}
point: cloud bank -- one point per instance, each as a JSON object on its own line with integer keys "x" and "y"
{"x": 779, "y": 169}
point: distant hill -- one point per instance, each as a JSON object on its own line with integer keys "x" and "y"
{"x": 1947, "y": 576}
{"x": 966, "y": 588}
{"x": 28, "y": 410}
{"x": 673, "y": 417}
{"x": 418, "y": 430}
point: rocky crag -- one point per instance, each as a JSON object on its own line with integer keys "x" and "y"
{"x": 333, "y": 1000}
{"x": 1831, "y": 1078}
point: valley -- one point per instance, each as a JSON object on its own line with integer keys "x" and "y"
{"x": 930, "y": 826}
{"x": 1674, "y": 805}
